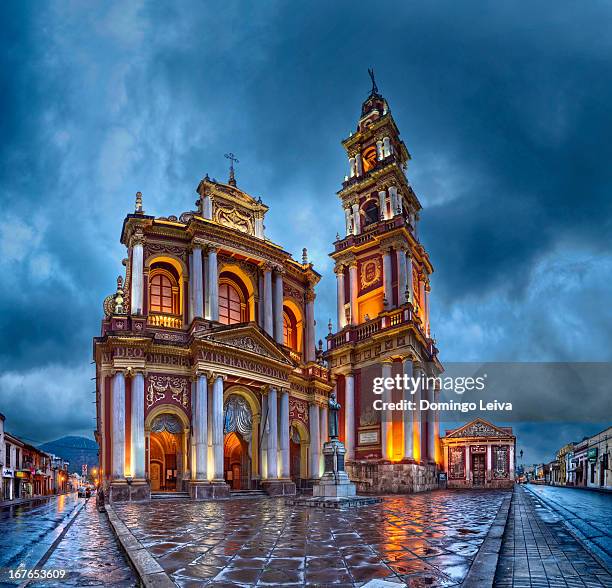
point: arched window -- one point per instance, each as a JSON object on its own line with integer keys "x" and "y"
{"x": 371, "y": 213}
{"x": 231, "y": 304}
{"x": 163, "y": 293}
{"x": 289, "y": 329}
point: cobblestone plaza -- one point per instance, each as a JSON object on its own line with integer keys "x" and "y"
{"x": 440, "y": 538}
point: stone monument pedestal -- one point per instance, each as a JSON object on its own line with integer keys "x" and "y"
{"x": 335, "y": 489}
{"x": 335, "y": 482}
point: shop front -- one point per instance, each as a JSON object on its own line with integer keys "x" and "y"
{"x": 8, "y": 477}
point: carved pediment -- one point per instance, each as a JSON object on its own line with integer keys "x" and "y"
{"x": 248, "y": 339}
{"x": 479, "y": 428}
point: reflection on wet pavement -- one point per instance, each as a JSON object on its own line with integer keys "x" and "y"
{"x": 28, "y": 530}
{"x": 425, "y": 539}
{"x": 90, "y": 554}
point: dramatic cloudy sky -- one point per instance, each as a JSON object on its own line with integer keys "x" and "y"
{"x": 505, "y": 109}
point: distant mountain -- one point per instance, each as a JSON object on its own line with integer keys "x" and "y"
{"x": 75, "y": 450}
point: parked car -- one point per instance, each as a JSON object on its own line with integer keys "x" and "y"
{"x": 84, "y": 492}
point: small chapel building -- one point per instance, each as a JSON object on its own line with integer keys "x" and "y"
{"x": 479, "y": 455}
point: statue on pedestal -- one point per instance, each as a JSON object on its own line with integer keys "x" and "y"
{"x": 334, "y": 407}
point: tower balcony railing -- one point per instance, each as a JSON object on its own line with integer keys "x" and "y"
{"x": 172, "y": 321}
{"x": 389, "y": 320}
{"x": 370, "y": 232}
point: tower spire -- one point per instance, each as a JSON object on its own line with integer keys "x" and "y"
{"x": 233, "y": 159}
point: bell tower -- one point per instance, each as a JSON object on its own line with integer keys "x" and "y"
{"x": 382, "y": 323}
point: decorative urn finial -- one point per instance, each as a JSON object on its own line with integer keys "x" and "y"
{"x": 304, "y": 256}
{"x": 138, "y": 208}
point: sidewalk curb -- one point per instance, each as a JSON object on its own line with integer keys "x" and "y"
{"x": 601, "y": 556}
{"x": 150, "y": 573}
{"x": 482, "y": 571}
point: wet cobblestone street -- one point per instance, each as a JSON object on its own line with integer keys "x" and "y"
{"x": 88, "y": 551}
{"x": 539, "y": 551}
{"x": 419, "y": 540}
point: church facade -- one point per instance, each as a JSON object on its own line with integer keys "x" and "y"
{"x": 382, "y": 323}
{"x": 208, "y": 378}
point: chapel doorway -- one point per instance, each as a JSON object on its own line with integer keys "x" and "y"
{"x": 166, "y": 453}
{"x": 478, "y": 469}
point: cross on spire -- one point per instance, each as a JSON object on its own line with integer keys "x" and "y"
{"x": 374, "y": 86}
{"x": 233, "y": 159}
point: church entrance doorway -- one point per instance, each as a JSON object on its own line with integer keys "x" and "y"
{"x": 238, "y": 430}
{"x": 236, "y": 462}
{"x": 166, "y": 453}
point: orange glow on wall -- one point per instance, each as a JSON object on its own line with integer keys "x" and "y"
{"x": 372, "y": 306}
{"x": 396, "y": 451}
{"x": 416, "y": 445}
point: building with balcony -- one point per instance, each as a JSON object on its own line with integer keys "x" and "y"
{"x": 208, "y": 377}
{"x": 382, "y": 323}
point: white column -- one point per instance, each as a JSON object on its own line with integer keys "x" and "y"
{"x": 315, "y": 440}
{"x": 426, "y": 309}
{"x": 263, "y": 462}
{"x": 489, "y": 471}
{"x": 352, "y": 167}
{"x": 260, "y": 301}
{"x": 386, "y": 147}
{"x": 190, "y": 298}
{"x": 512, "y": 461}
{"x": 340, "y": 297}
{"x": 272, "y": 435}
{"x": 348, "y": 221}
{"x": 198, "y": 285}
{"x": 217, "y": 427}
{"x": 436, "y": 426}
{"x": 386, "y": 422}
{"x": 323, "y": 425}
{"x": 468, "y": 464}
{"x": 284, "y": 434}
{"x": 259, "y": 227}
{"x": 354, "y": 292}
{"x": 409, "y": 277}
{"x": 213, "y": 284}
{"x": 394, "y": 203}
{"x": 207, "y": 207}
{"x": 136, "y": 297}
{"x": 137, "y": 426}
{"x": 431, "y": 434}
{"x": 268, "y": 316}
{"x": 416, "y": 415}
{"x": 356, "y": 220}
{"x": 379, "y": 150}
{"x": 310, "y": 326}
{"x": 118, "y": 425}
{"x": 358, "y": 164}
{"x": 349, "y": 415}
{"x": 401, "y": 276}
{"x": 201, "y": 428}
{"x": 382, "y": 204}
{"x": 323, "y": 436}
{"x": 387, "y": 277}
{"x": 278, "y": 307}
{"x": 407, "y": 414}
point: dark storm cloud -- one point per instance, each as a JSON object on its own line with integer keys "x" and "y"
{"x": 505, "y": 111}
